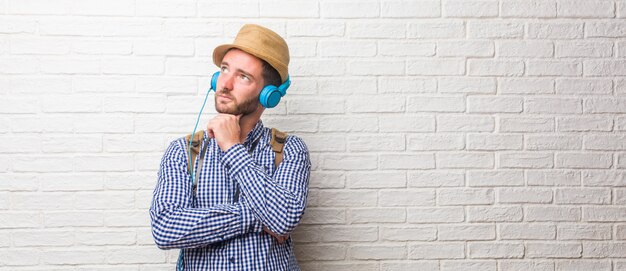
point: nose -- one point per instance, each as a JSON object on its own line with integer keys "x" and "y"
{"x": 226, "y": 81}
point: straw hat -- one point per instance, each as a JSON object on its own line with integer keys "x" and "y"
{"x": 262, "y": 43}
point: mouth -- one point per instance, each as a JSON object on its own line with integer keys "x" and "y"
{"x": 224, "y": 97}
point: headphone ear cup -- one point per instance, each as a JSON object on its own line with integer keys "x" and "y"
{"x": 270, "y": 96}
{"x": 214, "y": 80}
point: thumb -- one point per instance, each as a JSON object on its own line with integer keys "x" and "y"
{"x": 239, "y": 116}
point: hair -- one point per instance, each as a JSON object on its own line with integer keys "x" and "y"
{"x": 270, "y": 75}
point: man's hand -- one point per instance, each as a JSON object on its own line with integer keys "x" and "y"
{"x": 225, "y": 129}
{"x": 279, "y": 238}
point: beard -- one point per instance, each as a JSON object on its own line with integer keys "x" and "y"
{"x": 233, "y": 107}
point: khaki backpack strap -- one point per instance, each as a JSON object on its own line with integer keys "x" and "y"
{"x": 195, "y": 147}
{"x": 278, "y": 142}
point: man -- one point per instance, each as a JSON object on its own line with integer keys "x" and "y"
{"x": 241, "y": 213}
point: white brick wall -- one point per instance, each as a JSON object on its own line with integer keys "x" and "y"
{"x": 445, "y": 134}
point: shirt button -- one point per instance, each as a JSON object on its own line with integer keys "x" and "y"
{"x": 232, "y": 259}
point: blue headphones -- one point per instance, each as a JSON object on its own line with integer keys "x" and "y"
{"x": 270, "y": 94}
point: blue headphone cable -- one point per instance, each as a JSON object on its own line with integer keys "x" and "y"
{"x": 179, "y": 262}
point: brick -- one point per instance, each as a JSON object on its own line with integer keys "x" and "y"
{"x": 584, "y": 232}
{"x": 495, "y": 30}
{"x": 579, "y": 265}
{"x": 374, "y": 104}
{"x": 378, "y": 67}
{"x": 241, "y": 9}
{"x": 348, "y": 124}
{"x": 585, "y": 9}
{"x": 467, "y": 265}
{"x": 604, "y": 105}
{"x": 315, "y": 28}
{"x": 471, "y": 9}
{"x": 189, "y": 28}
{"x": 319, "y": 252}
{"x": 494, "y": 104}
{"x": 433, "y": 251}
{"x": 404, "y": 49}
{"x": 375, "y": 143}
{"x": 377, "y": 252}
{"x": 160, "y": 8}
{"x": 526, "y": 124}
{"x": 135, "y": 255}
{"x": 71, "y": 182}
{"x": 381, "y": 215}
{"x": 466, "y": 232}
{"x": 327, "y": 180}
{"x": 604, "y": 67}
{"x": 19, "y": 219}
{"x": 406, "y": 85}
{"x": 71, "y": 104}
{"x": 530, "y": 49}
{"x": 315, "y": 106}
{"x": 482, "y": 142}
{"x": 403, "y": 233}
{"x": 431, "y": 66}
{"x": 603, "y": 250}
{"x": 410, "y": 9}
{"x": 435, "y": 215}
{"x": 18, "y": 105}
{"x": 125, "y": 219}
{"x": 604, "y": 142}
{"x": 551, "y": 213}
{"x": 349, "y": 162}
{"x": 526, "y": 265}
{"x": 410, "y": 265}
{"x": 583, "y": 196}
{"x": 435, "y": 30}
{"x": 465, "y": 48}
{"x": 406, "y": 123}
{"x": 494, "y": 214}
{"x": 527, "y": 231}
{"x": 43, "y": 238}
{"x": 552, "y": 178}
{"x": 350, "y": 234}
{"x": 527, "y": 9}
{"x": 467, "y": 85}
{"x": 435, "y": 141}
{"x": 555, "y": 30}
{"x": 346, "y": 48}
{"x": 376, "y": 30}
{"x": 525, "y": 160}
{"x": 7, "y": 145}
{"x": 320, "y": 67}
{"x": 498, "y": 250}
{"x": 324, "y": 216}
{"x": 549, "y": 142}
{"x": 495, "y": 178}
{"x": 583, "y": 86}
{"x": 13, "y": 256}
{"x": 406, "y": 161}
{"x": 553, "y": 250}
{"x": 412, "y": 197}
{"x": 104, "y": 163}
{"x": 555, "y": 68}
{"x": 584, "y": 124}
{"x": 386, "y": 179}
{"x": 325, "y": 143}
{"x": 465, "y": 196}
{"x": 347, "y": 198}
{"x": 95, "y": 7}
{"x": 17, "y": 25}
{"x": 437, "y": 178}
{"x": 42, "y": 164}
{"x": 435, "y": 104}
{"x": 465, "y": 160}
{"x": 536, "y": 85}
{"x": 134, "y": 143}
{"x": 40, "y": 46}
{"x": 604, "y": 214}
{"x": 73, "y": 219}
{"x": 524, "y": 195}
{"x": 349, "y": 85}
{"x": 349, "y": 9}
{"x": 583, "y": 49}
{"x": 583, "y": 160}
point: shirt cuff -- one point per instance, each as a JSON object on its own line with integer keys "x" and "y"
{"x": 235, "y": 158}
{"x": 249, "y": 223}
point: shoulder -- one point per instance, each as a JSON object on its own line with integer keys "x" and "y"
{"x": 176, "y": 150}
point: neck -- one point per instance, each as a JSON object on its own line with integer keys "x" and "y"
{"x": 247, "y": 123}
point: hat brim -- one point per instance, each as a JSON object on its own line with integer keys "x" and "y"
{"x": 220, "y": 51}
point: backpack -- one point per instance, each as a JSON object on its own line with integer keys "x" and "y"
{"x": 277, "y": 142}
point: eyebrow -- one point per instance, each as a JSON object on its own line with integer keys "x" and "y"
{"x": 240, "y": 70}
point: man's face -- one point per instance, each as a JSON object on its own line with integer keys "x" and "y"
{"x": 239, "y": 83}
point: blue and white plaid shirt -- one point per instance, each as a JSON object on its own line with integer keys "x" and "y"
{"x": 218, "y": 231}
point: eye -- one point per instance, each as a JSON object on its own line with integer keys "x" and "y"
{"x": 224, "y": 69}
{"x": 245, "y": 77}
